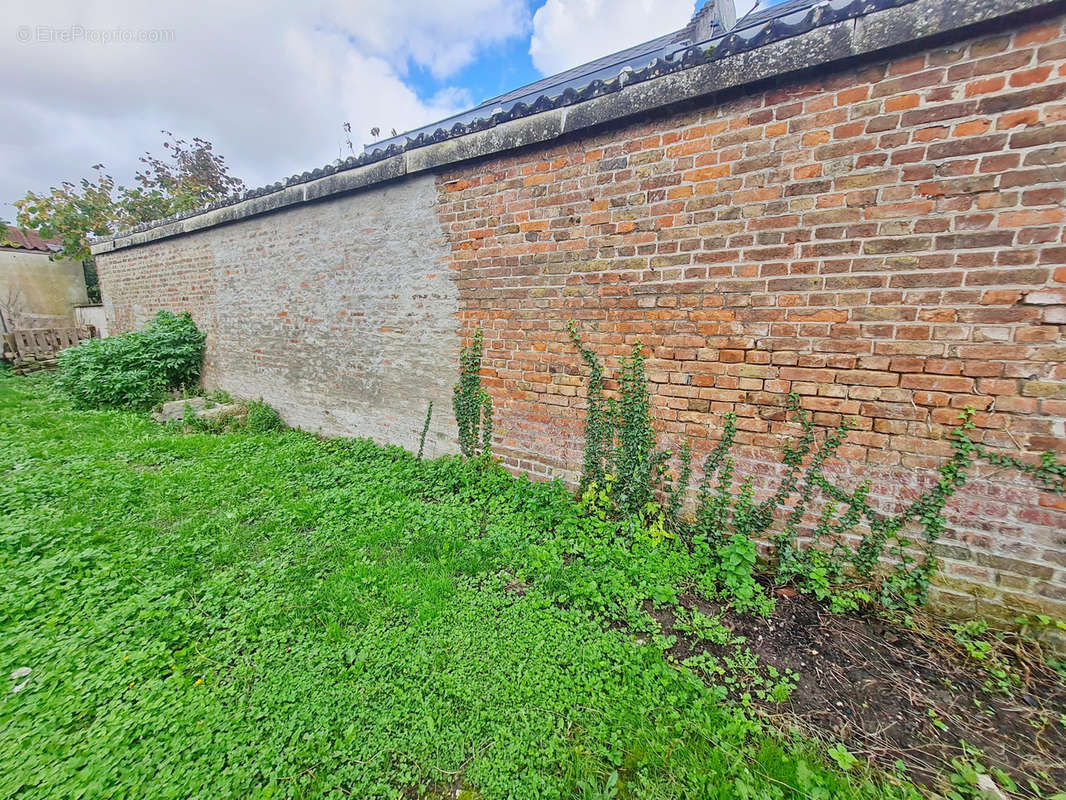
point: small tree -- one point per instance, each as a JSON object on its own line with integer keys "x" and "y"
{"x": 189, "y": 176}
{"x": 12, "y": 306}
{"x": 192, "y": 175}
{"x": 72, "y": 213}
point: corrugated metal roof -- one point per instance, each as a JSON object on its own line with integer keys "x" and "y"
{"x": 766, "y": 23}
{"x": 659, "y": 57}
{"x": 29, "y": 240}
{"x": 603, "y": 69}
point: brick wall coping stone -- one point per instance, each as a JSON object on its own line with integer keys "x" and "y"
{"x": 872, "y": 33}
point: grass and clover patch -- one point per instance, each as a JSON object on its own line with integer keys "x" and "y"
{"x": 262, "y": 613}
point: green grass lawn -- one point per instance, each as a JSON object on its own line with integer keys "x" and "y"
{"x": 244, "y": 615}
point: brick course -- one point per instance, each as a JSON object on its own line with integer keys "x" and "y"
{"x": 339, "y": 314}
{"x": 885, "y": 241}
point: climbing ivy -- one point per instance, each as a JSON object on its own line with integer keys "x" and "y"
{"x": 892, "y": 559}
{"x": 599, "y": 417}
{"x": 425, "y": 430}
{"x": 472, "y": 404}
{"x": 637, "y": 463}
{"x": 620, "y": 451}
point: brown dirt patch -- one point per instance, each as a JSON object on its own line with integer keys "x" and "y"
{"x": 893, "y": 693}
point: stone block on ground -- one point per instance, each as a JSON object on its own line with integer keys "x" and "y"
{"x": 217, "y": 412}
{"x": 175, "y": 409}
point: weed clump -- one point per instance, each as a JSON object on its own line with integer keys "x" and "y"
{"x": 136, "y": 369}
{"x": 262, "y": 418}
{"x": 253, "y": 417}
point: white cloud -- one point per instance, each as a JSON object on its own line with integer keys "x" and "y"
{"x": 567, "y": 33}
{"x": 269, "y": 82}
{"x": 570, "y": 32}
{"x": 439, "y": 36}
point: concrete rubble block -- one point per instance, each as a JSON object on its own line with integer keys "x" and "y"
{"x": 175, "y": 409}
{"x": 215, "y": 412}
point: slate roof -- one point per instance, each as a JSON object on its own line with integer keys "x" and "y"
{"x": 18, "y": 239}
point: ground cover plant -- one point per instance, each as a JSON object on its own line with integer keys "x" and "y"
{"x": 259, "y": 613}
{"x": 269, "y": 614}
{"x": 135, "y": 369}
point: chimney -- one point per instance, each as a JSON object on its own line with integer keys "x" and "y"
{"x": 715, "y": 18}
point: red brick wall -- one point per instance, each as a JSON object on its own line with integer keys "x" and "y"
{"x": 176, "y": 275}
{"x": 885, "y": 241}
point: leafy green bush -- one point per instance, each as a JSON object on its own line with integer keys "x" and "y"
{"x": 136, "y": 369}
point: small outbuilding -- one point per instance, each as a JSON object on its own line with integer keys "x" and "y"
{"x": 37, "y": 290}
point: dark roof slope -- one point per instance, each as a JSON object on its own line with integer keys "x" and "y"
{"x": 18, "y": 239}
{"x": 602, "y": 69}
{"x": 672, "y": 51}
{"x": 641, "y": 78}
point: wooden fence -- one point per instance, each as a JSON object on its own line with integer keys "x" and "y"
{"x": 39, "y": 346}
